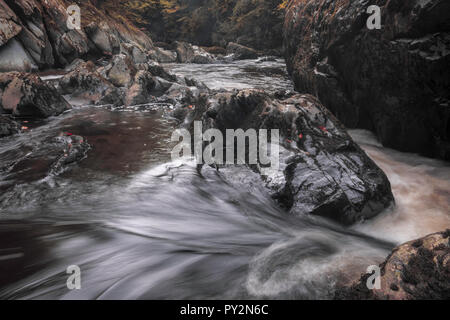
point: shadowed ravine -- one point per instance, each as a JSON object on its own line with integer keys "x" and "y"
{"x": 142, "y": 227}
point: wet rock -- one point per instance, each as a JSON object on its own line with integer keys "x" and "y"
{"x": 121, "y": 71}
{"x": 139, "y": 92}
{"x": 188, "y": 53}
{"x": 37, "y": 44}
{"x": 180, "y": 113}
{"x": 161, "y": 86}
{"x": 241, "y": 52}
{"x": 417, "y": 270}
{"x": 201, "y": 56}
{"x": 74, "y": 64}
{"x": 70, "y": 45}
{"x": 86, "y": 82}
{"x": 13, "y": 57}
{"x": 178, "y": 93}
{"x": 8, "y": 126}
{"x": 74, "y": 149}
{"x": 135, "y": 52}
{"x": 9, "y": 26}
{"x": 113, "y": 84}
{"x": 191, "y": 82}
{"x": 389, "y": 81}
{"x": 26, "y": 95}
{"x": 163, "y": 56}
{"x": 158, "y": 71}
{"x": 184, "y": 52}
{"x": 103, "y": 37}
{"x": 322, "y": 170}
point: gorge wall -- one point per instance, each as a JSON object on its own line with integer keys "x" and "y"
{"x": 34, "y": 34}
{"x": 393, "y": 81}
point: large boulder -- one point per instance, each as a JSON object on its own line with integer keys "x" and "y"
{"x": 417, "y": 270}
{"x": 187, "y": 53}
{"x": 392, "y": 81}
{"x": 14, "y": 57}
{"x": 158, "y": 71}
{"x": 74, "y": 149}
{"x": 86, "y": 83}
{"x": 135, "y": 52}
{"x": 163, "y": 56}
{"x": 26, "y": 95}
{"x": 103, "y": 37}
{"x": 121, "y": 71}
{"x": 241, "y": 52}
{"x": 322, "y": 170}
{"x": 140, "y": 91}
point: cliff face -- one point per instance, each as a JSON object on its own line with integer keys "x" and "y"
{"x": 393, "y": 81}
{"x": 254, "y": 23}
{"x": 34, "y": 34}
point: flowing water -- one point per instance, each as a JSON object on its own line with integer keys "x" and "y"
{"x": 142, "y": 227}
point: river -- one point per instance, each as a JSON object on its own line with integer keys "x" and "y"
{"x": 142, "y": 227}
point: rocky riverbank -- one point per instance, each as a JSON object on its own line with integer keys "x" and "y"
{"x": 416, "y": 270}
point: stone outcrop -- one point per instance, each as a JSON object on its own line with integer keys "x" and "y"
{"x": 14, "y": 57}
{"x": 122, "y": 82}
{"x": 120, "y": 71}
{"x": 86, "y": 83}
{"x": 34, "y": 34}
{"x": 139, "y": 92}
{"x": 392, "y": 81}
{"x": 324, "y": 172}
{"x": 416, "y": 270}
{"x": 241, "y": 52}
{"x": 72, "y": 149}
{"x": 26, "y": 95}
{"x": 163, "y": 56}
{"x": 187, "y": 53}
{"x": 9, "y": 25}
